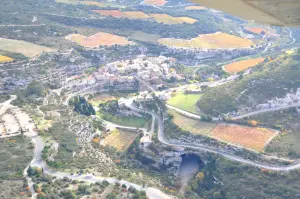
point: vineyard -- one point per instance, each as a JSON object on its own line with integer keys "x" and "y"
{"x": 248, "y": 137}
{"x": 239, "y": 66}
{"x": 99, "y": 39}
{"x": 209, "y": 41}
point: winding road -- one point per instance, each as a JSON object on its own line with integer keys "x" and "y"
{"x": 209, "y": 149}
{"x": 37, "y": 161}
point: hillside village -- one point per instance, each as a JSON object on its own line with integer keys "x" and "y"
{"x": 132, "y": 99}
{"x": 121, "y": 75}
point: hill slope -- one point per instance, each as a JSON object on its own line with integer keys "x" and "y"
{"x": 272, "y": 80}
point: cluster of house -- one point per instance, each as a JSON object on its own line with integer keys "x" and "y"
{"x": 121, "y": 74}
{"x": 10, "y": 83}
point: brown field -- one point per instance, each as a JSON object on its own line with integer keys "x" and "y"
{"x": 195, "y": 8}
{"x": 23, "y": 47}
{"x": 120, "y": 139}
{"x": 167, "y": 19}
{"x": 155, "y": 2}
{"x": 209, "y": 41}
{"x": 257, "y": 30}
{"x": 243, "y": 65}
{"x": 248, "y": 137}
{"x": 4, "y": 59}
{"x": 99, "y": 39}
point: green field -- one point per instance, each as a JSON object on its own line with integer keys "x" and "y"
{"x": 187, "y": 102}
{"x": 22, "y": 47}
{"x": 142, "y": 36}
{"x": 125, "y": 121}
{"x": 191, "y": 125}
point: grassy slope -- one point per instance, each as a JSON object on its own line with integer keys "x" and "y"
{"x": 191, "y": 125}
{"x": 275, "y": 80}
{"x": 185, "y": 102}
{"x": 126, "y": 121}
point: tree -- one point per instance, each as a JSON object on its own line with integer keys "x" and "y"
{"x": 68, "y": 194}
{"x": 41, "y": 196}
{"x": 82, "y": 189}
{"x": 252, "y": 123}
{"x": 200, "y": 176}
{"x": 30, "y": 171}
{"x": 111, "y": 196}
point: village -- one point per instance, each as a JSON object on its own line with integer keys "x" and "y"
{"x": 126, "y": 74}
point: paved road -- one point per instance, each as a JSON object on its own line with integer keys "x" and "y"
{"x": 152, "y": 193}
{"x": 265, "y": 111}
{"x": 205, "y": 148}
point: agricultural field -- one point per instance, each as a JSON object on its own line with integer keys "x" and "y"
{"x": 209, "y": 41}
{"x": 286, "y": 144}
{"x": 155, "y": 2}
{"x": 142, "y": 36}
{"x": 112, "y": 13}
{"x": 248, "y": 137}
{"x": 120, "y": 139}
{"x": 99, "y": 39}
{"x": 102, "y": 98}
{"x": 4, "y": 59}
{"x": 187, "y": 102}
{"x": 132, "y": 121}
{"x": 195, "y": 8}
{"x": 23, "y": 47}
{"x": 123, "y": 14}
{"x": 160, "y": 18}
{"x": 257, "y": 31}
{"x": 87, "y": 3}
{"x": 168, "y": 19}
{"x": 193, "y": 126}
{"x": 135, "y": 15}
{"x": 239, "y": 66}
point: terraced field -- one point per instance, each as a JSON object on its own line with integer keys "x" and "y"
{"x": 239, "y": 66}
{"x": 23, "y": 47}
{"x": 120, "y": 139}
{"x": 99, "y": 39}
{"x": 209, "y": 41}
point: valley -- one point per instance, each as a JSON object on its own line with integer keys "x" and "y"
{"x": 146, "y": 99}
